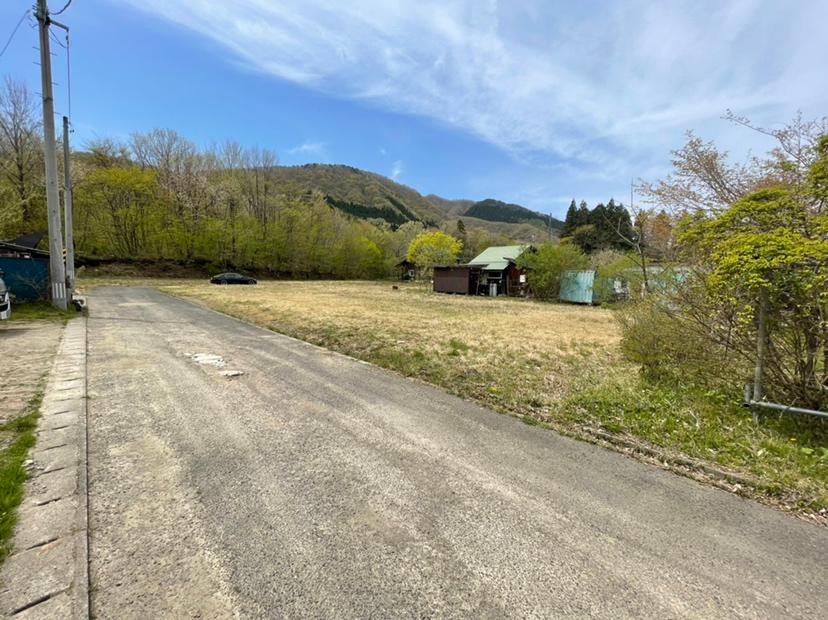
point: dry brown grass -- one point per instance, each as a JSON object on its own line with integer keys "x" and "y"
{"x": 512, "y": 354}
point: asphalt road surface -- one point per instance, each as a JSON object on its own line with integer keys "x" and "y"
{"x": 317, "y": 486}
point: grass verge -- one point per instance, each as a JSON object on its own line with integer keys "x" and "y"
{"x": 17, "y": 437}
{"x": 40, "y": 310}
{"x": 784, "y": 457}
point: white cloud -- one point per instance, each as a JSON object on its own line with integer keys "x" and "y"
{"x": 308, "y": 148}
{"x": 396, "y": 170}
{"x": 607, "y": 88}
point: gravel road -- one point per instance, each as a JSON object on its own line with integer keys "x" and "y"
{"x": 316, "y": 486}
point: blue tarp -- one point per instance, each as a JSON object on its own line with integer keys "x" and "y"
{"x": 26, "y": 278}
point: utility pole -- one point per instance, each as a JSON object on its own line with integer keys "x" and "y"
{"x": 67, "y": 213}
{"x": 57, "y": 273}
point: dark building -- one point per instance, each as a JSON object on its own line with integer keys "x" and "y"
{"x": 458, "y": 279}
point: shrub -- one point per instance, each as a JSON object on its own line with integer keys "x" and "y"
{"x": 546, "y": 266}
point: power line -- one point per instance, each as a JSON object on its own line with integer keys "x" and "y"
{"x": 56, "y": 40}
{"x": 66, "y": 6}
{"x": 14, "y": 32}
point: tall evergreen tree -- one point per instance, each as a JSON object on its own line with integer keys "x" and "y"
{"x": 583, "y": 214}
{"x": 570, "y": 223}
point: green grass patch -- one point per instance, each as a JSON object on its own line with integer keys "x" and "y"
{"x": 39, "y": 311}
{"x": 787, "y": 455}
{"x": 18, "y": 436}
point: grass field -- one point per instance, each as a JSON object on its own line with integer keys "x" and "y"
{"x": 552, "y": 364}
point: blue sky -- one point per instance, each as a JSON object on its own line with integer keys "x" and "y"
{"x": 528, "y": 101}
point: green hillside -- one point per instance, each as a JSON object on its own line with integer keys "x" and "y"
{"x": 360, "y": 193}
{"x": 499, "y": 211}
{"x": 366, "y": 195}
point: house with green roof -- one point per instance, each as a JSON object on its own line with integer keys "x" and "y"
{"x": 493, "y": 272}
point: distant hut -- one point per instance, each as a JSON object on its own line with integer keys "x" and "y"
{"x": 493, "y": 272}
{"x": 407, "y": 270}
{"x": 457, "y": 279}
{"x": 499, "y": 272}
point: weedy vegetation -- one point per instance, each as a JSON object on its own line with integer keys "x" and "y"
{"x": 40, "y": 310}
{"x": 17, "y": 436}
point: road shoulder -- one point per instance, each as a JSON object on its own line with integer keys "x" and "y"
{"x": 47, "y": 575}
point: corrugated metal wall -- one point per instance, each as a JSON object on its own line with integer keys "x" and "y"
{"x": 577, "y": 286}
{"x": 26, "y": 278}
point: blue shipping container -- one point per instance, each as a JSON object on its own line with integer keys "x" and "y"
{"x": 26, "y": 278}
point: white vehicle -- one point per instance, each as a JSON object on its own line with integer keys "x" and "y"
{"x": 5, "y": 299}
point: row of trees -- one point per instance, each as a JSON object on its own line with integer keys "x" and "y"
{"x": 601, "y": 228}
{"x": 159, "y": 196}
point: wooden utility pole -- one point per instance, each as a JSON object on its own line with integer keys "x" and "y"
{"x": 68, "y": 230}
{"x": 57, "y": 272}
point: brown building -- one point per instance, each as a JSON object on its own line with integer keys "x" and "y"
{"x": 494, "y": 272}
{"x": 458, "y": 279}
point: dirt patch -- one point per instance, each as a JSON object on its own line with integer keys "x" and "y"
{"x": 27, "y": 349}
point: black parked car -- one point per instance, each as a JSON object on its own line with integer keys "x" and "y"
{"x": 232, "y": 278}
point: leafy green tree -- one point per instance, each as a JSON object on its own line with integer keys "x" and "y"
{"x": 586, "y": 238}
{"x": 433, "y": 248}
{"x": 767, "y": 249}
{"x": 546, "y": 266}
{"x": 119, "y": 203}
{"x": 770, "y": 243}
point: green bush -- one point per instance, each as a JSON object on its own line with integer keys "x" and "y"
{"x": 671, "y": 348}
{"x": 546, "y": 266}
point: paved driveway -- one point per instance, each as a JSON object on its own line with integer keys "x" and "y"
{"x": 317, "y": 486}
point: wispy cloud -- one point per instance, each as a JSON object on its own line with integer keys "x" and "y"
{"x": 587, "y": 84}
{"x": 396, "y": 169}
{"x": 308, "y": 148}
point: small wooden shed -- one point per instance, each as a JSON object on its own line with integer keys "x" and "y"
{"x": 407, "y": 270}
{"x": 499, "y": 273}
{"x": 457, "y": 279}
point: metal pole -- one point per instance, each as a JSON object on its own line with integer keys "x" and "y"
{"x": 761, "y": 347}
{"x": 788, "y": 409}
{"x": 67, "y": 213}
{"x": 57, "y": 273}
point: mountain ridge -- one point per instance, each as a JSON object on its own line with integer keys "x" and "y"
{"x": 369, "y": 195}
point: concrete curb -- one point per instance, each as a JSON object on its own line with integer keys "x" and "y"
{"x": 48, "y": 574}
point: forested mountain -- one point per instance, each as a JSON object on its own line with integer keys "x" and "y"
{"x": 450, "y": 208}
{"x": 508, "y": 219}
{"x": 360, "y": 193}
